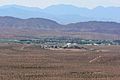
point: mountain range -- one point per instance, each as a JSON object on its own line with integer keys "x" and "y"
{"x": 63, "y": 14}
{"x": 45, "y": 27}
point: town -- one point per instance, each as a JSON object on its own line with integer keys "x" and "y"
{"x": 61, "y": 42}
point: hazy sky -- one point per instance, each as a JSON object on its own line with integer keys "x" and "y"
{"x": 45, "y": 3}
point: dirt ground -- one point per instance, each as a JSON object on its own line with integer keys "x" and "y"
{"x": 23, "y": 62}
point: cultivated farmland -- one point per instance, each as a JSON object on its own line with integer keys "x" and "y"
{"x": 34, "y": 63}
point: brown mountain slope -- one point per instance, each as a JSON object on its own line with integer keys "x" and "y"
{"x": 10, "y": 26}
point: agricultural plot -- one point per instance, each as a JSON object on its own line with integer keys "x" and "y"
{"x": 26, "y": 62}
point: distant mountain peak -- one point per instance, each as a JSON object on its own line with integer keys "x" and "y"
{"x": 63, "y": 13}
{"x": 12, "y": 6}
{"x": 63, "y": 6}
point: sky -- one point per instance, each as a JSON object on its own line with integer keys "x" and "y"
{"x": 78, "y": 3}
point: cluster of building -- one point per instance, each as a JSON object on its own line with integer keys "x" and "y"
{"x": 61, "y": 42}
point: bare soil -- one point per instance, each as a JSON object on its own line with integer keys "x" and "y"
{"x": 33, "y": 63}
